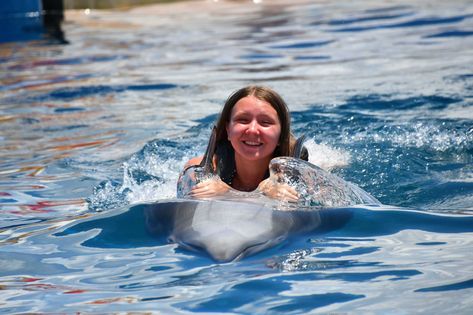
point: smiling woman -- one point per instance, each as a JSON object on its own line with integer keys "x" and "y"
{"x": 253, "y": 128}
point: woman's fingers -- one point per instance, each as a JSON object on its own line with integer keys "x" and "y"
{"x": 288, "y": 193}
{"x": 279, "y": 191}
{"x": 209, "y": 188}
{"x": 201, "y": 191}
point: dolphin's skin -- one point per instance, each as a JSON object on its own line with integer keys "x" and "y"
{"x": 315, "y": 186}
{"x": 238, "y": 224}
{"x": 230, "y": 230}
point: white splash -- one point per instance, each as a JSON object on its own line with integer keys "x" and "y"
{"x": 326, "y": 157}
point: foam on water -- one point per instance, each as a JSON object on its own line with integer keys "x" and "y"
{"x": 325, "y": 156}
{"x": 151, "y": 174}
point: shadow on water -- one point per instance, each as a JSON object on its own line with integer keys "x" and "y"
{"x": 53, "y": 16}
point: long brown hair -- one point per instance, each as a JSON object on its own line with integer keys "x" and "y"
{"x": 286, "y": 139}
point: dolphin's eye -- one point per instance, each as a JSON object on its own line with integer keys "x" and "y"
{"x": 276, "y": 167}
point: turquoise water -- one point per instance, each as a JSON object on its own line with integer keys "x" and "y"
{"x": 104, "y": 124}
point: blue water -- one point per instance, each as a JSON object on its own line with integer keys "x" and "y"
{"x": 91, "y": 130}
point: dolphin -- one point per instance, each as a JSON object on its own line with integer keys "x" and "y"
{"x": 238, "y": 224}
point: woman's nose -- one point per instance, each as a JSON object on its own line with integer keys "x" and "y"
{"x": 253, "y": 127}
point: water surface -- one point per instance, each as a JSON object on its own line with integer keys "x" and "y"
{"x": 383, "y": 90}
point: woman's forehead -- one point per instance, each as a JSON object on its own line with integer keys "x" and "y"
{"x": 251, "y": 104}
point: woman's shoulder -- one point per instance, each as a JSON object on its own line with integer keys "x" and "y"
{"x": 194, "y": 161}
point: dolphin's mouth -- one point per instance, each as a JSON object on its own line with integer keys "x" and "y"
{"x": 257, "y": 248}
{"x": 224, "y": 254}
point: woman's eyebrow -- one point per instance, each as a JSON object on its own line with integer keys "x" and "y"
{"x": 266, "y": 116}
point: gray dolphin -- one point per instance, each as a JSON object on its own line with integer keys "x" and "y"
{"x": 238, "y": 224}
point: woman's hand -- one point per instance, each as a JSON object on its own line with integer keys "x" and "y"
{"x": 279, "y": 191}
{"x": 208, "y": 188}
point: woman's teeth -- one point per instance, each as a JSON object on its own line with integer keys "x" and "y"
{"x": 252, "y": 143}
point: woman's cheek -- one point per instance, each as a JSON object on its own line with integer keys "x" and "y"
{"x": 275, "y": 133}
{"x": 231, "y": 132}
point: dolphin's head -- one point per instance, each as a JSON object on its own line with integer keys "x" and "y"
{"x": 228, "y": 231}
{"x": 286, "y": 169}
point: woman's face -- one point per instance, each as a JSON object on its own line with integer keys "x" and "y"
{"x": 254, "y": 129}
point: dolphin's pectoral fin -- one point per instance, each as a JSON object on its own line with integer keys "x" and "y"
{"x": 207, "y": 160}
{"x": 188, "y": 179}
{"x": 195, "y": 174}
{"x": 299, "y": 147}
{"x": 317, "y": 187}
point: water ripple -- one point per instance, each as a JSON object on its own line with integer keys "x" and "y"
{"x": 383, "y": 91}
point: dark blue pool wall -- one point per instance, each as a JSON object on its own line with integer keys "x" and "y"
{"x": 31, "y": 20}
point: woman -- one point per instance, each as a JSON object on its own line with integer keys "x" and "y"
{"x": 253, "y": 128}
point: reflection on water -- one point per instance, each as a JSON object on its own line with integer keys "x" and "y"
{"x": 108, "y": 4}
{"x": 381, "y": 89}
{"x": 53, "y": 16}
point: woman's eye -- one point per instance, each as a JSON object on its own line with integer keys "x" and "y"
{"x": 241, "y": 120}
{"x": 266, "y": 123}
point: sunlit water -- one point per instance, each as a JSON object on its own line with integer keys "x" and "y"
{"x": 383, "y": 90}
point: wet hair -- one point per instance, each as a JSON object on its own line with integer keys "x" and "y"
{"x": 286, "y": 139}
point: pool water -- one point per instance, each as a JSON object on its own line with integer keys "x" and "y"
{"x": 104, "y": 124}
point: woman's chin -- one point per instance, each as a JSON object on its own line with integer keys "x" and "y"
{"x": 254, "y": 155}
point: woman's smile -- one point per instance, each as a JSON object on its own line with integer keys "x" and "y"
{"x": 251, "y": 143}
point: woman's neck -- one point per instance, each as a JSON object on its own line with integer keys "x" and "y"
{"x": 249, "y": 174}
